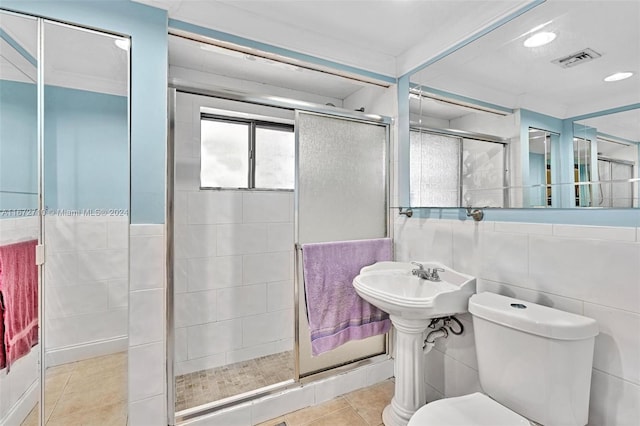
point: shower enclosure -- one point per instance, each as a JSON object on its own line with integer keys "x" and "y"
{"x": 64, "y": 185}
{"x": 237, "y": 314}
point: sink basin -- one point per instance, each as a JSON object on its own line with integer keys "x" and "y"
{"x": 391, "y": 287}
{"x": 411, "y": 302}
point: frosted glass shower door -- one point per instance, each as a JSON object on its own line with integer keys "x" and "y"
{"x": 341, "y": 194}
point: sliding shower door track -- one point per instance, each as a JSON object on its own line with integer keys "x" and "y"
{"x": 184, "y": 416}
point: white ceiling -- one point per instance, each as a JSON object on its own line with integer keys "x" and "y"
{"x": 389, "y": 37}
{"x": 498, "y": 69}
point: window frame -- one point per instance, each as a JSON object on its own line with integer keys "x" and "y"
{"x": 252, "y": 125}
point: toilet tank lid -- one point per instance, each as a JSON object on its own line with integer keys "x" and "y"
{"x": 531, "y": 317}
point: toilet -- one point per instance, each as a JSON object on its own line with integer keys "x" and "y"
{"x": 534, "y": 364}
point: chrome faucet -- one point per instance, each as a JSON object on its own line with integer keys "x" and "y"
{"x": 430, "y": 274}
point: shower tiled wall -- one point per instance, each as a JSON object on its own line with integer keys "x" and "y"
{"x": 588, "y": 270}
{"x": 233, "y": 262}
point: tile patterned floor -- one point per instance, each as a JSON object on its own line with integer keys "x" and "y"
{"x": 359, "y": 408}
{"x": 91, "y": 392}
{"x": 205, "y": 386}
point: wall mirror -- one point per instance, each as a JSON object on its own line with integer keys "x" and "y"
{"x": 524, "y": 85}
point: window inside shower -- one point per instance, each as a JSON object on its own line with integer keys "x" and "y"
{"x": 249, "y": 154}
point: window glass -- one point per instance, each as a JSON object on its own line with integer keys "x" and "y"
{"x": 224, "y": 154}
{"x": 274, "y": 158}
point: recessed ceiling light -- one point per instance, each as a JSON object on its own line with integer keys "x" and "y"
{"x": 618, "y": 76}
{"x": 540, "y": 39}
{"x": 122, "y": 43}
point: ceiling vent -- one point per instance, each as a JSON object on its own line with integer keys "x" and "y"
{"x": 581, "y": 57}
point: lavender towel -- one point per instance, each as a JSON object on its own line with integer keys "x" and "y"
{"x": 336, "y": 313}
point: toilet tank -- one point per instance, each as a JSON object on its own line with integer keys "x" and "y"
{"x": 534, "y": 359}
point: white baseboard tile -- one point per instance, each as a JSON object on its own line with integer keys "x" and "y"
{"x": 87, "y": 350}
{"x": 273, "y": 406}
{"x": 148, "y": 412}
{"x": 22, "y": 407}
{"x": 379, "y": 372}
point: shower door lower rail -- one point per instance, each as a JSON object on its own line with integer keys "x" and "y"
{"x": 226, "y": 403}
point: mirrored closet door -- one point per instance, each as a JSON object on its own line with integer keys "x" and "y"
{"x": 19, "y": 222}
{"x": 64, "y": 148}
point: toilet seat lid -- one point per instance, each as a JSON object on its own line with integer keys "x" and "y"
{"x": 475, "y": 409}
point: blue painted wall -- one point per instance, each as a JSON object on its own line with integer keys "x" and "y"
{"x": 86, "y": 150}
{"x": 147, "y": 27}
{"x": 18, "y": 145}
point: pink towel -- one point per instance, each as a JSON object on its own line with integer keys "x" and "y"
{"x": 335, "y": 311}
{"x": 19, "y": 293}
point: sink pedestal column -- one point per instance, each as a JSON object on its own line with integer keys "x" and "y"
{"x": 410, "y": 393}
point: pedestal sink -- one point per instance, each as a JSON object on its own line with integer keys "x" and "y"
{"x": 411, "y": 303}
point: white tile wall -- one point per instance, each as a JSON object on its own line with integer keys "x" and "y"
{"x": 617, "y": 350}
{"x": 588, "y": 270}
{"x": 147, "y": 331}
{"x": 86, "y": 283}
{"x": 214, "y": 272}
{"x": 213, "y": 338}
{"x": 146, "y": 370}
{"x": 613, "y": 401}
{"x": 195, "y": 308}
{"x": 234, "y": 267}
{"x": 147, "y": 316}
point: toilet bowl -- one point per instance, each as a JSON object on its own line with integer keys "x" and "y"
{"x": 534, "y": 365}
{"x": 476, "y": 409}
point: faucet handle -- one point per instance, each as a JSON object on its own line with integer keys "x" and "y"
{"x": 419, "y": 265}
{"x": 434, "y": 273}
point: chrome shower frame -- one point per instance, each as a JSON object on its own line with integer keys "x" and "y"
{"x": 182, "y": 86}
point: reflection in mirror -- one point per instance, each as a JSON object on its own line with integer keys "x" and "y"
{"x": 540, "y": 168}
{"x": 542, "y": 87}
{"x": 86, "y": 232}
{"x": 614, "y": 140}
{"x": 19, "y": 230}
{"x": 483, "y": 173}
{"x": 435, "y": 169}
{"x": 454, "y": 162}
{"x": 582, "y": 171}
